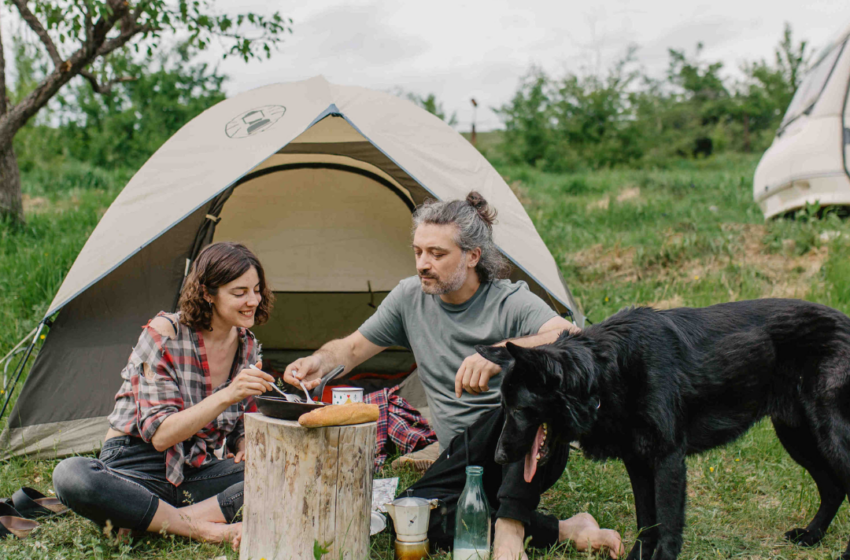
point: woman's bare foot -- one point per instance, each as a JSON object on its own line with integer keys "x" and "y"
{"x": 236, "y": 540}
{"x": 584, "y": 532}
{"x": 219, "y": 532}
{"x": 508, "y": 540}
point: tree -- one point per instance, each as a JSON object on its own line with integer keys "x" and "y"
{"x": 80, "y": 35}
{"x": 126, "y": 126}
{"x": 433, "y": 106}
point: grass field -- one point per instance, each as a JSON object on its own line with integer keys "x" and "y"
{"x": 682, "y": 236}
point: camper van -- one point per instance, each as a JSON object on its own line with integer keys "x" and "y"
{"x": 808, "y": 160}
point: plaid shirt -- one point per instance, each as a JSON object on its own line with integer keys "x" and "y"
{"x": 165, "y": 375}
{"x": 400, "y": 422}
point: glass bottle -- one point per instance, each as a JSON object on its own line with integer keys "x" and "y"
{"x": 472, "y": 519}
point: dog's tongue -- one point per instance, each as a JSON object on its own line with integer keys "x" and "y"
{"x": 531, "y": 458}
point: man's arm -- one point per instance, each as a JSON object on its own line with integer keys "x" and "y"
{"x": 350, "y": 352}
{"x": 475, "y": 371}
{"x": 548, "y": 333}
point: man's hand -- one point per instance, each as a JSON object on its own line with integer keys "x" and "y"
{"x": 474, "y": 375}
{"x": 307, "y": 370}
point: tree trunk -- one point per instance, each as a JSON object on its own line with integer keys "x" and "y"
{"x": 306, "y": 486}
{"x": 11, "y": 205}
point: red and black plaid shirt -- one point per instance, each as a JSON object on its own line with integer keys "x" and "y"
{"x": 400, "y": 423}
{"x": 165, "y": 375}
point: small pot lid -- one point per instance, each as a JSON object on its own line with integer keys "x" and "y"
{"x": 411, "y": 501}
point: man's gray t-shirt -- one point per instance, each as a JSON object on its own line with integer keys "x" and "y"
{"x": 442, "y": 335}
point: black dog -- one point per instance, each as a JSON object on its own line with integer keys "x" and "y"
{"x": 650, "y": 387}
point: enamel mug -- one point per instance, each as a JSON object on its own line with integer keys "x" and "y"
{"x": 345, "y": 395}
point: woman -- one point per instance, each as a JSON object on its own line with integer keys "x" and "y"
{"x": 186, "y": 386}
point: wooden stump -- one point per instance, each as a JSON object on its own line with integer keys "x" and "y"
{"x": 304, "y": 486}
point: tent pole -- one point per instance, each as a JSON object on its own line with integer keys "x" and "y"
{"x": 18, "y": 345}
{"x": 20, "y": 369}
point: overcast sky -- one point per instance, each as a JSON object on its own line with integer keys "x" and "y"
{"x": 459, "y": 49}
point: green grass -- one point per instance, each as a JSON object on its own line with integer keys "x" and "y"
{"x": 686, "y": 235}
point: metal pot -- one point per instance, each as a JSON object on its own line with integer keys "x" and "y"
{"x": 410, "y": 517}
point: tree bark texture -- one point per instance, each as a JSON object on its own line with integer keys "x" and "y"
{"x": 11, "y": 205}
{"x": 305, "y": 486}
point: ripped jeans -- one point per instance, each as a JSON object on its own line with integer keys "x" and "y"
{"x": 125, "y": 485}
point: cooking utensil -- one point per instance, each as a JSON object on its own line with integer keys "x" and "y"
{"x": 278, "y": 407}
{"x": 410, "y": 517}
{"x": 318, "y": 391}
{"x": 306, "y": 392}
{"x": 287, "y": 396}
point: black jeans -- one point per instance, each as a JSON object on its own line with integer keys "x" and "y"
{"x": 509, "y": 495}
{"x": 126, "y": 483}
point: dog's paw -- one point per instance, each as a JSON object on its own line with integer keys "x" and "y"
{"x": 804, "y": 537}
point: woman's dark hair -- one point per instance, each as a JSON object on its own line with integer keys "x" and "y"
{"x": 474, "y": 219}
{"x": 215, "y": 266}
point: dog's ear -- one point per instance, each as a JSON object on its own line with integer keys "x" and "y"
{"x": 496, "y": 354}
{"x": 514, "y": 350}
{"x": 540, "y": 368}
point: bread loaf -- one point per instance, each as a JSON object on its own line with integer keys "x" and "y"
{"x": 340, "y": 415}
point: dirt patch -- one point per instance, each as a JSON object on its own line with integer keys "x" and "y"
{"x": 670, "y": 303}
{"x": 601, "y": 204}
{"x": 41, "y": 205}
{"x": 616, "y": 263}
{"x": 783, "y": 275}
{"x": 34, "y": 204}
{"x": 631, "y": 193}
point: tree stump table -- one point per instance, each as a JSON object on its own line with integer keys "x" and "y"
{"x": 305, "y": 486}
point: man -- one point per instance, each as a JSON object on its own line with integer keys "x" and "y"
{"x": 458, "y": 301}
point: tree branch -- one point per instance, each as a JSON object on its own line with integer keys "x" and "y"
{"x": 36, "y": 26}
{"x": 107, "y": 86}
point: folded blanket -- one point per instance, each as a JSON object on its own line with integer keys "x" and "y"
{"x": 400, "y": 423}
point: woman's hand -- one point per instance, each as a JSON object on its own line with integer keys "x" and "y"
{"x": 240, "y": 451}
{"x": 307, "y": 370}
{"x": 249, "y": 383}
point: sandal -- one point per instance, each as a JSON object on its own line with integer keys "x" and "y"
{"x": 34, "y": 505}
{"x": 11, "y": 522}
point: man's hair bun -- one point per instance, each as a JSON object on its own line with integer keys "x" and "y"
{"x": 485, "y": 212}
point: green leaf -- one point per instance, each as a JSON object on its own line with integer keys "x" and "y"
{"x": 320, "y": 550}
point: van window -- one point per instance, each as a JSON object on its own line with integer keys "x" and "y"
{"x": 809, "y": 91}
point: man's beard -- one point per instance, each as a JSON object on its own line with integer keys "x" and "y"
{"x": 453, "y": 283}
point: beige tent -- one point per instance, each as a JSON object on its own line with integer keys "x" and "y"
{"x": 320, "y": 181}
{"x": 808, "y": 160}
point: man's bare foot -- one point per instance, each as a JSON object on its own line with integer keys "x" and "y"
{"x": 508, "y": 541}
{"x": 584, "y": 532}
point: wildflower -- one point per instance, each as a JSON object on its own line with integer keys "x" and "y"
{"x": 711, "y": 469}
{"x": 736, "y": 460}
{"x": 696, "y": 277}
{"x": 606, "y": 299}
{"x": 42, "y": 337}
